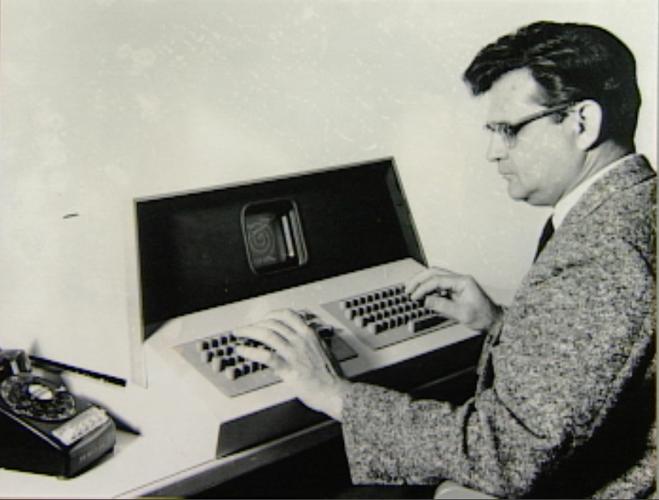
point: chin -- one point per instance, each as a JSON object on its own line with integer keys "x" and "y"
{"x": 538, "y": 201}
{"x": 534, "y": 198}
{"x": 517, "y": 194}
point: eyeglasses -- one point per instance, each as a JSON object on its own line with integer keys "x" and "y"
{"x": 509, "y": 131}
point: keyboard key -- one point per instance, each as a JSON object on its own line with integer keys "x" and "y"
{"x": 233, "y": 373}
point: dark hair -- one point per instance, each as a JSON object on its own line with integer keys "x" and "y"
{"x": 570, "y": 62}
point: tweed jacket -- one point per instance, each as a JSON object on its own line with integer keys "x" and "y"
{"x": 564, "y": 404}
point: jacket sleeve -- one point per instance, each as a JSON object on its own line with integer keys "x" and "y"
{"x": 564, "y": 356}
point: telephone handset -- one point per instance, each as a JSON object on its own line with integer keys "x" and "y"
{"x": 43, "y": 427}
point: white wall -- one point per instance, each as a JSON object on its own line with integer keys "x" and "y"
{"x": 106, "y": 100}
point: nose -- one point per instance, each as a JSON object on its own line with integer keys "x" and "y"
{"x": 497, "y": 149}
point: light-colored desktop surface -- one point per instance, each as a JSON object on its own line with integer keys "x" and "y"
{"x": 179, "y": 413}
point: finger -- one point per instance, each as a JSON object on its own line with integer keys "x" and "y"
{"x": 295, "y": 338}
{"x": 444, "y": 285}
{"x": 292, "y": 320}
{"x": 413, "y": 282}
{"x": 256, "y": 354}
{"x": 445, "y": 307}
{"x": 269, "y": 358}
{"x": 418, "y": 279}
{"x": 440, "y": 284}
{"x": 425, "y": 288}
{"x": 264, "y": 335}
{"x": 260, "y": 355}
{"x": 281, "y": 328}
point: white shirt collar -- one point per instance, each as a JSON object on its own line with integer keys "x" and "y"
{"x": 568, "y": 201}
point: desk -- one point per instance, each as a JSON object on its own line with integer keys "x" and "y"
{"x": 170, "y": 457}
{"x": 175, "y": 453}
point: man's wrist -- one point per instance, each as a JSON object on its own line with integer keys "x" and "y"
{"x": 336, "y": 399}
{"x": 488, "y": 317}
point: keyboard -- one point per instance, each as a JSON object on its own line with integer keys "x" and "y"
{"x": 385, "y": 316}
{"x": 216, "y": 359}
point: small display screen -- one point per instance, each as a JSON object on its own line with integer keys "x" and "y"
{"x": 273, "y": 236}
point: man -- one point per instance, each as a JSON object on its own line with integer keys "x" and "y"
{"x": 564, "y": 405}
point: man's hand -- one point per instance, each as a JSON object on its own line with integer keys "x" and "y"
{"x": 299, "y": 357}
{"x": 456, "y": 296}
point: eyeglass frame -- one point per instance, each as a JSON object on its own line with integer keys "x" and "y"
{"x": 509, "y": 131}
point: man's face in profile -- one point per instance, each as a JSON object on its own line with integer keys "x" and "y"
{"x": 540, "y": 160}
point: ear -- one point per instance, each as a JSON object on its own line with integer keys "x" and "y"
{"x": 587, "y": 123}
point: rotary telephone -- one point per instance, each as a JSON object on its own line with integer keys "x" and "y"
{"x": 43, "y": 427}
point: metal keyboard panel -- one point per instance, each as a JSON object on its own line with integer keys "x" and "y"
{"x": 385, "y": 316}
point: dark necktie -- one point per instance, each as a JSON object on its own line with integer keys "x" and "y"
{"x": 547, "y": 233}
